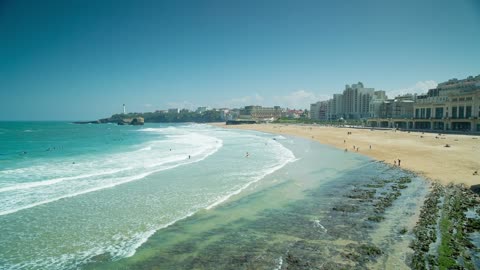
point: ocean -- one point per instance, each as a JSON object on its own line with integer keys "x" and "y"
{"x": 182, "y": 196}
{"x": 70, "y": 192}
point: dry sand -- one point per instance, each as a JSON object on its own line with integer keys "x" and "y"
{"x": 424, "y": 154}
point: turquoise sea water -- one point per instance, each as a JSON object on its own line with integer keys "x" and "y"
{"x": 305, "y": 215}
{"x": 187, "y": 196}
{"x": 71, "y": 192}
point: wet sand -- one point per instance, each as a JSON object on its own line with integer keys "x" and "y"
{"x": 422, "y": 153}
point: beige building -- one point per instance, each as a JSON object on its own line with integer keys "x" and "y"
{"x": 356, "y": 101}
{"x": 377, "y": 104}
{"x": 452, "y": 105}
{"x": 260, "y": 113}
{"x": 336, "y": 107}
{"x": 320, "y": 110}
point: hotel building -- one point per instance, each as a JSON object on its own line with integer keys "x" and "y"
{"x": 452, "y": 105}
{"x": 260, "y": 113}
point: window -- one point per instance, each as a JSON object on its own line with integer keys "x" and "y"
{"x": 429, "y": 113}
{"x": 438, "y": 113}
{"x": 454, "y": 99}
{"x": 468, "y": 98}
{"x": 461, "y": 99}
{"x": 461, "y": 111}
{"x": 468, "y": 112}
{"x": 417, "y": 113}
{"x": 454, "y": 112}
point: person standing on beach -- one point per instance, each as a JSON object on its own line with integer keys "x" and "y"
{"x": 399, "y": 162}
{"x": 394, "y": 162}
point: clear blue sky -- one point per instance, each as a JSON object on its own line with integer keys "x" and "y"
{"x": 76, "y": 60}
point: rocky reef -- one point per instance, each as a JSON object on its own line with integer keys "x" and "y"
{"x": 446, "y": 230}
{"x": 136, "y": 121}
{"x": 351, "y": 223}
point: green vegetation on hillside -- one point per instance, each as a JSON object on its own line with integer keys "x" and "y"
{"x": 166, "y": 117}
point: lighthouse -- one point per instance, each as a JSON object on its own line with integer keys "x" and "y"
{"x": 124, "y": 111}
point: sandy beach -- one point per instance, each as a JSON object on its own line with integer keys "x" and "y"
{"x": 423, "y": 153}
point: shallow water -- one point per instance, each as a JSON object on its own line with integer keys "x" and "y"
{"x": 287, "y": 220}
{"x": 133, "y": 199}
{"x": 82, "y": 191}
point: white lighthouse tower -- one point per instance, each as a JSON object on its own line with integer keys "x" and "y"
{"x": 124, "y": 111}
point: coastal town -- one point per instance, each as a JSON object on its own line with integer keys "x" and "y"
{"x": 453, "y": 106}
{"x": 432, "y": 135}
{"x": 266, "y": 135}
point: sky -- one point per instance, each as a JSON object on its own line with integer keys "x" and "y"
{"x": 83, "y": 59}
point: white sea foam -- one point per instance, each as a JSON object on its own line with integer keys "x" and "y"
{"x": 286, "y": 156}
{"x": 154, "y": 156}
{"x": 129, "y": 167}
{"x": 317, "y": 224}
{"x": 56, "y": 180}
{"x": 279, "y": 264}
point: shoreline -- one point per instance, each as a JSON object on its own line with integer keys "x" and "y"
{"x": 292, "y": 215}
{"x": 425, "y": 154}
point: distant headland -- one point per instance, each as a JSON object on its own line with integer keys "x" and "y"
{"x": 178, "y": 116}
{"x": 135, "y": 121}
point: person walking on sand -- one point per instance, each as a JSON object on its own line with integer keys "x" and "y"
{"x": 358, "y": 148}
{"x": 399, "y": 162}
{"x": 370, "y": 146}
{"x": 394, "y": 162}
